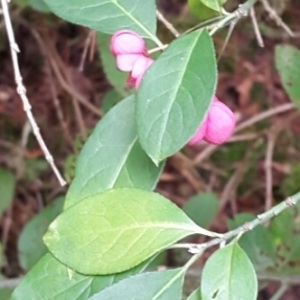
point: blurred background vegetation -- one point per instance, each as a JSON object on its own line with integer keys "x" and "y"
{"x": 67, "y": 66}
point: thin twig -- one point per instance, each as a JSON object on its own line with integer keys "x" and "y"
{"x": 14, "y": 48}
{"x": 273, "y": 15}
{"x": 205, "y": 24}
{"x": 291, "y": 280}
{"x": 280, "y": 292}
{"x": 87, "y": 45}
{"x": 232, "y": 184}
{"x": 265, "y": 115}
{"x": 229, "y": 33}
{"x": 257, "y": 32}
{"x": 260, "y": 219}
{"x": 10, "y": 283}
{"x": 56, "y": 103}
{"x": 58, "y": 109}
{"x": 161, "y": 48}
{"x": 240, "y": 12}
{"x": 214, "y": 24}
{"x": 268, "y": 168}
{"x": 25, "y": 136}
{"x": 69, "y": 89}
{"x": 243, "y": 137}
{"x": 20, "y": 153}
{"x": 167, "y": 23}
{"x": 92, "y": 46}
{"x": 62, "y": 73}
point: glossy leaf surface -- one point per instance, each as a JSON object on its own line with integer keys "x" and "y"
{"x": 202, "y": 208}
{"x": 205, "y": 9}
{"x": 51, "y": 280}
{"x": 164, "y": 285}
{"x": 115, "y": 77}
{"x": 30, "y": 243}
{"x": 175, "y": 94}
{"x": 116, "y": 230}
{"x": 287, "y": 59}
{"x": 213, "y": 4}
{"x": 195, "y": 295}
{"x": 112, "y": 157}
{"x": 229, "y": 275}
{"x": 108, "y": 16}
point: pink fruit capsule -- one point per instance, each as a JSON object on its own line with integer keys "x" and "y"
{"x": 127, "y": 42}
{"x": 199, "y": 135}
{"x": 139, "y": 68}
{"x": 125, "y": 62}
{"x": 220, "y": 123}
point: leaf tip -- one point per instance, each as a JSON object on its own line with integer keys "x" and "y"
{"x": 156, "y": 161}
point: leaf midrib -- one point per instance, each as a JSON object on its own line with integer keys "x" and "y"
{"x": 230, "y": 270}
{"x": 113, "y": 181}
{"x": 158, "y": 225}
{"x": 152, "y": 36}
{"x": 161, "y": 291}
{"x": 174, "y": 94}
{"x": 123, "y": 163}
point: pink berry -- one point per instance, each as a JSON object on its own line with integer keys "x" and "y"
{"x": 127, "y": 42}
{"x": 199, "y": 135}
{"x": 125, "y": 62}
{"x": 220, "y": 123}
{"x": 139, "y": 68}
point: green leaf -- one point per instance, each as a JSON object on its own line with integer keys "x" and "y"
{"x": 213, "y": 4}
{"x": 175, "y": 94}
{"x": 5, "y": 294}
{"x": 112, "y": 157}
{"x": 195, "y": 295}
{"x": 163, "y": 285}
{"x": 30, "y": 244}
{"x": 110, "y": 99}
{"x": 159, "y": 260}
{"x": 205, "y": 9}
{"x": 7, "y": 189}
{"x": 49, "y": 279}
{"x": 40, "y": 6}
{"x": 202, "y": 208}
{"x": 285, "y": 230}
{"x": 201, "y": 11}
{"x": 287, "y": 60}
{"x": 257, "y": 243}
{"x": 116, "y": 78}
{"x": 22, "y": 3}
{"x": 229, "y": 275}
{"x": 34, "y": 167}
{"x": 108, "y": 16}
{"x": 116, "y": 230}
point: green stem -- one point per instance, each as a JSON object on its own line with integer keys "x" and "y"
{"x": 206, "y": 23}
{"x": 215, "y": 23}
{"x": 260, "y": 219}
{"x": 192, "y": 260}
{"x": 240, "y": 12}
{"x": 157, "y": 42}
{"x": 244, "y": 8}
